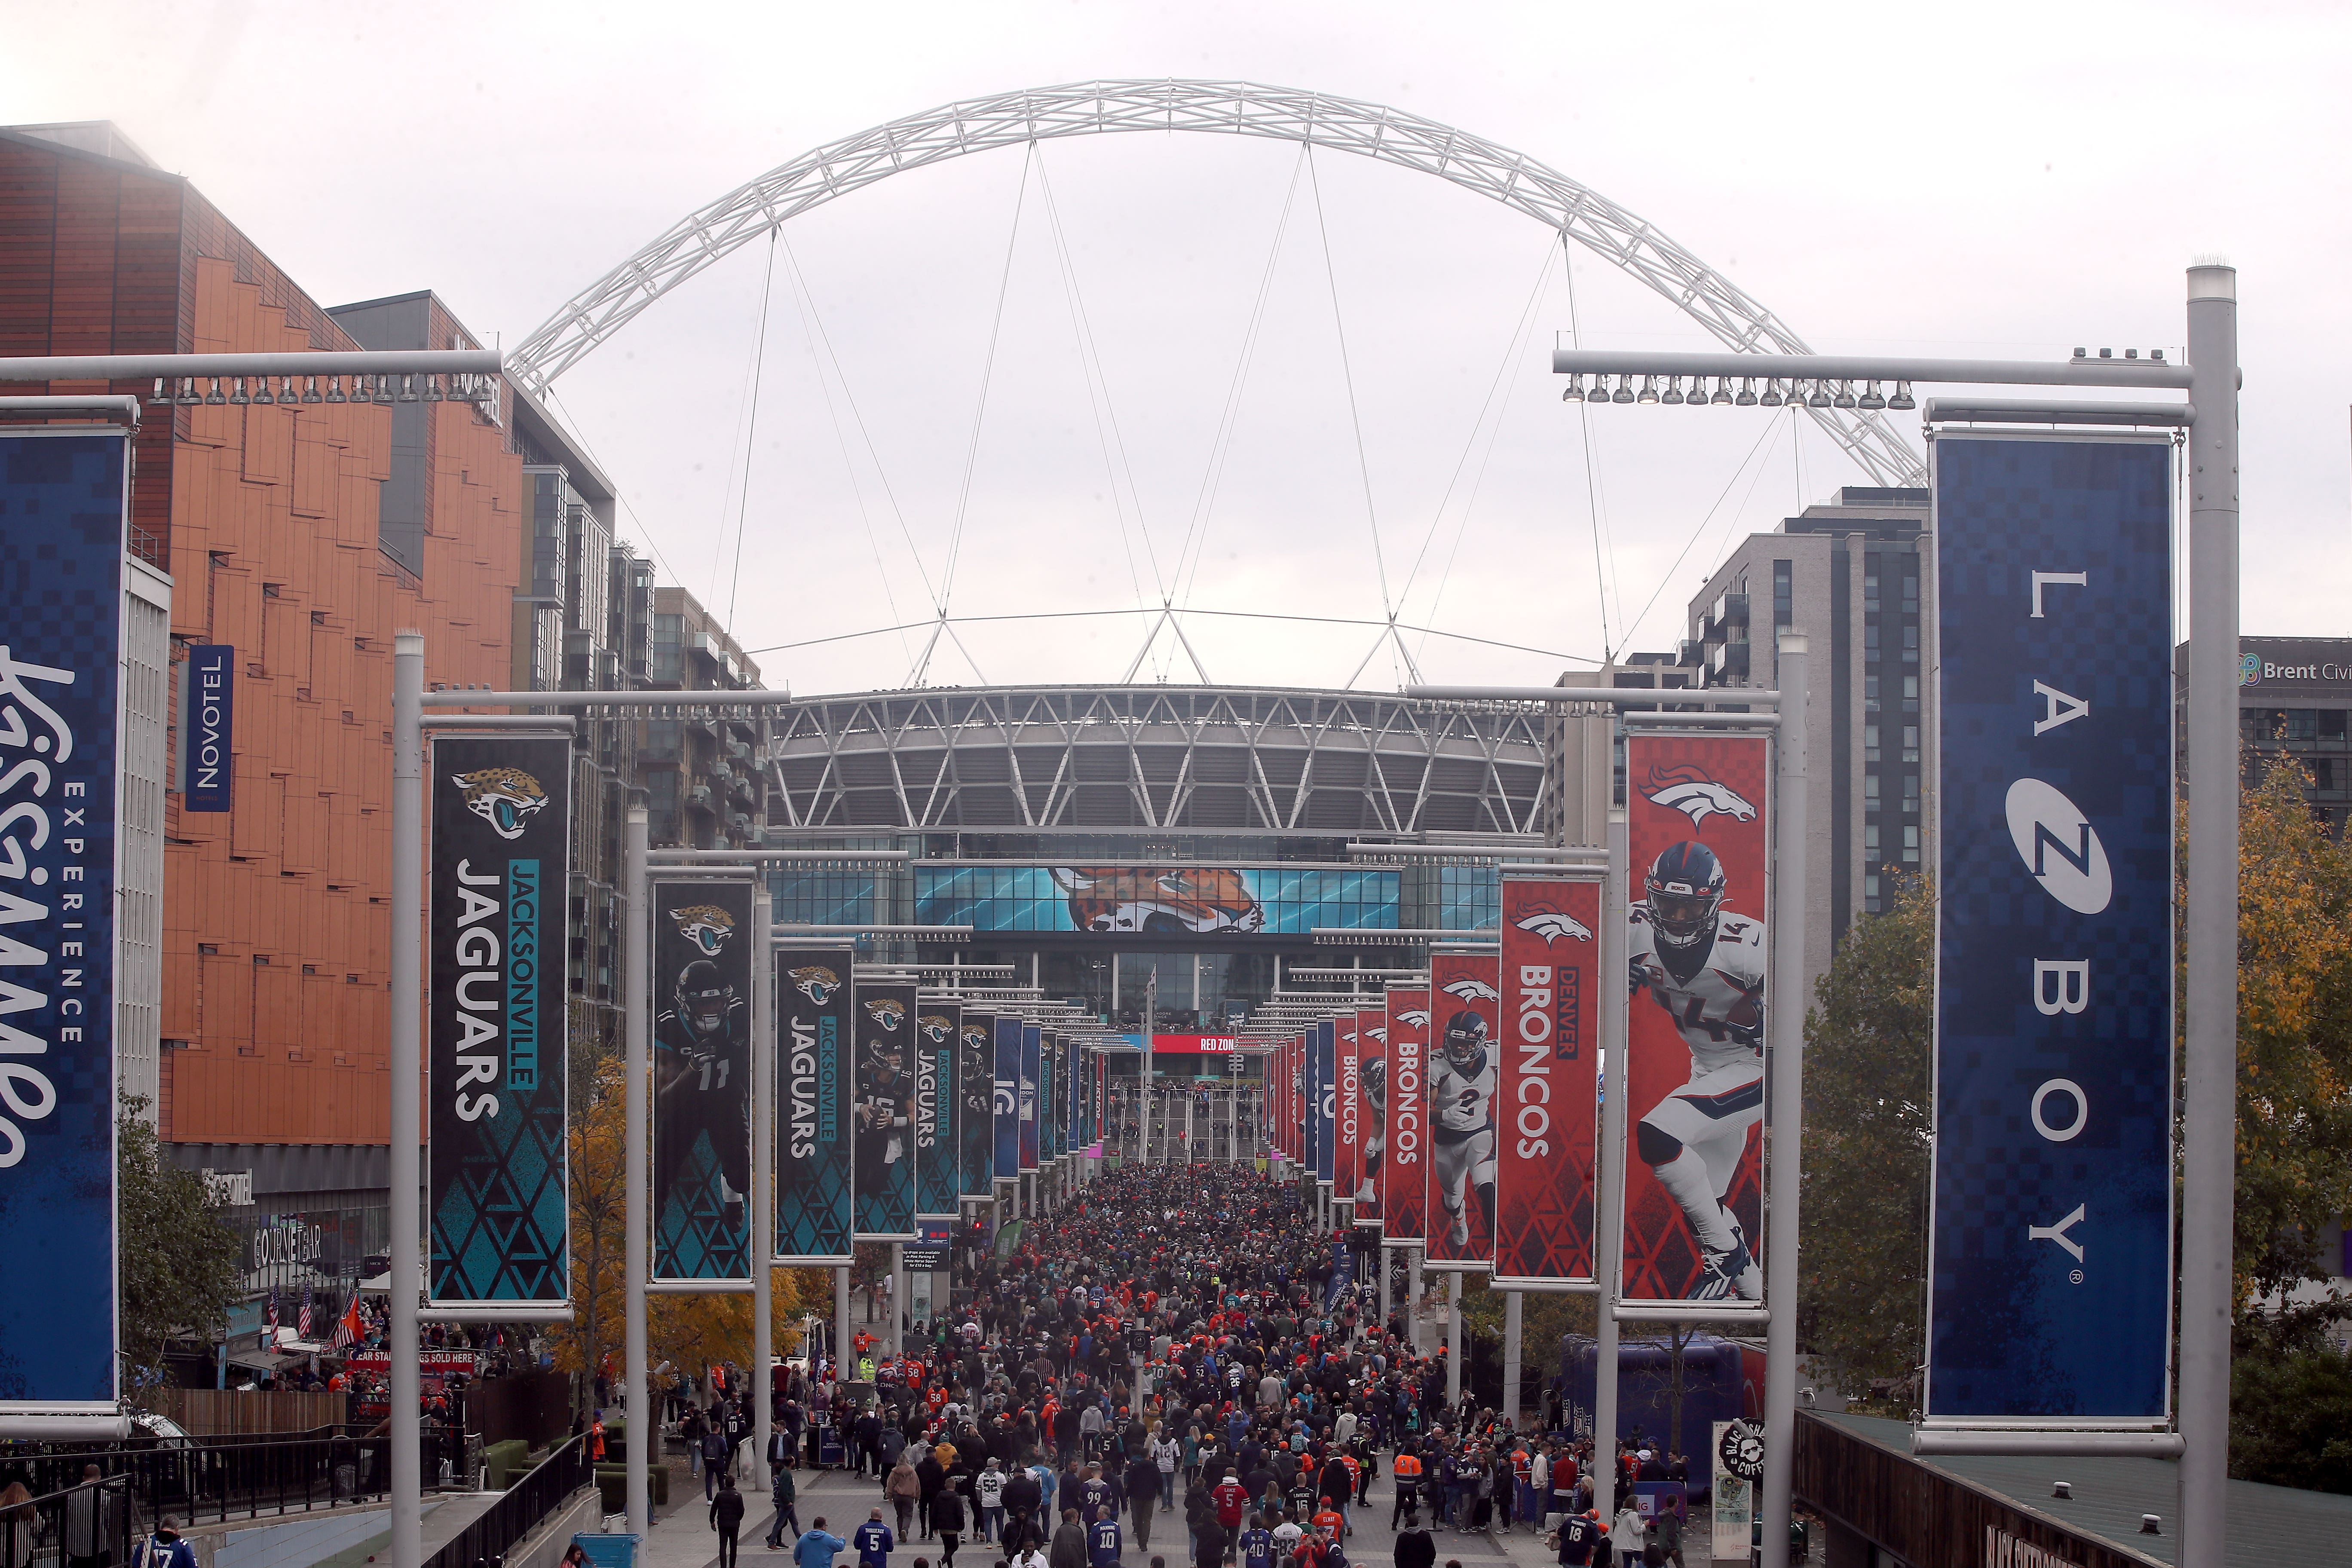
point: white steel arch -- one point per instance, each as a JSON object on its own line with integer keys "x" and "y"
{"x": 1226, "y": 108}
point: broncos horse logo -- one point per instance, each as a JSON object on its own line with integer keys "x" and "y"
{"x": 1416, "y": 1018}
{"x": 1474, "y": 991}
{"x": 706, "y": 926}
{"x": 506, "y": 798}
{"x": 814, "y": 981}
{"x": 1551, "y": 925}
{"x": 1174, "y": 901}
{"x": 1685, "y": 788}
{"x": 934, "y": 1028}
{"x": 887, "y": 1011}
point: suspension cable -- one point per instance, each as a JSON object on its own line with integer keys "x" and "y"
{"x": 987, "y": 375}
{"x": 1347, "y": 374}
{"x": 752, "y": 426}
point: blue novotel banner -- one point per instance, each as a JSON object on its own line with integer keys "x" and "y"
{"x": 207, "y": 727}
{"x": 62, "y": 514}
{"x": 1325, "y": 1103}
{"x": 1006, "y": 1117}
{"x": 2050, "y": 1279}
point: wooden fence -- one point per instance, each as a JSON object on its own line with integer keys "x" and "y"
{"x": 225, "y": 1411}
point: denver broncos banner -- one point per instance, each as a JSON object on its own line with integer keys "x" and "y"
{"x": 976, "y": 1097}
{"x": 938, "y": 1175}
{"x": 884, "y": 1182}
{"x": 497, "y": 1181}
{"x": 1696, "y": 819}
{"x": 702, "y": 1078}
{"x": 1405, "y": 1161}
{"x": 1549, "y": 1090}
{"x": 1371, "y": 1076}
{"x": 816, "y": 1104}
{"x": 1004, "y": 1114}
{"x": 1347, "y": 1110}
{"x": 1463, "y": 1075}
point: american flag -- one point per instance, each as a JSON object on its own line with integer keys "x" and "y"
{"x": 347, "y": 1328}
{"x": 269, "y": 1325}
{"x": 302, "y": 1323}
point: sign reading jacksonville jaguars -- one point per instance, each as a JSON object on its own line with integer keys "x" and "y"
{"x": 702, "y": 1064}
{"x": 2051, "y": 1270}
{"x": 887, "y": 1153}
{"x": 975, "y": 1101}
{"x": 495, "y": 1182}
{"x": 938, "y": 1164}
{"x": 816, "y": 1108}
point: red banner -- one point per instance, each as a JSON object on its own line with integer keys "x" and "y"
{"x": 1371, "y": 1075}
{"x": 1404, "y": 1164}
{"x": 1550, "y": 1094}
{"x": 1463, "y": 1070}
{"x": 1346, "y": 1110}
{"x": 1697, "y": 815}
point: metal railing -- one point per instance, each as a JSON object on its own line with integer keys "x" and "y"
{"x": 484, "y": 1542}
{"x": 204, "y": 1482}
{"x": 101, "y": 1518}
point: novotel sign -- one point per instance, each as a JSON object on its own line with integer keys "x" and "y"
{"x": 207, "y": 727}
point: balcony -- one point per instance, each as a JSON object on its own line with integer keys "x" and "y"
{"x": 1728, "y": 663}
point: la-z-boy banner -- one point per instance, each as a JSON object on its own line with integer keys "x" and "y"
{"x": 816, "y": 1103}
{"x": 1464, "y": 1071}
{"x": 1404, "y": 1162}
{"x": 1548, "y": 1090}
{"x": 702, "y": 1078}
{"x": 2050, "y": 1285}
{"x": 1697, "y": 815}
{"x": 885, "y": 1182}
{"x": 64, "y": 500}
{"x": 495, "y": 1178}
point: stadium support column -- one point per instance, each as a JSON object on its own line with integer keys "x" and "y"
{"x": 1412, "y": 1298}
{"x": 900, "y": 1305}
{"x": 2208, "y": 1121}
{"x": 1786, "y": 1072}
{"x": 1610, "y": 1176}
{"x": 407, "y": 1087}
{"x": 1381, "y": 1248}
{"x": 1454, "y": 1338}
{"x": 636, "y": 961}
{"x": 843, "y": 1363}
{"x": 1512, "y": 1301}
{"x": 763, "y": 1226}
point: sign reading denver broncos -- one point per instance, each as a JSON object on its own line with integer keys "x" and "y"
{"x": 497, "y": 1178}
{"x": 1549, "y": 1089}
{"x": 2051, "y": 1282}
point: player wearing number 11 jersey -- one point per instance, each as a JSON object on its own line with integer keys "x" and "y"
{"x": 1704, "y": 966}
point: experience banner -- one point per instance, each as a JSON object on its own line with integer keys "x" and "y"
{"x": 1463, "y": 1077}
{"x": 1372, "y": 1073}
{"x": 939, "y": 1167}
{"x": 1032, "y": 1050}
{"x": 64, "y": 508}
{"x": 816, "y": 1103}
{"x": 886, "y": 1112}
{"x": 1697, "y": 815}
{"x": 976, "y": 1097}
{"x": 2051, "y": 1267}
{"x": 1347, "y": 1110}
{"x": 1004, "y": 1111}
{"x": 1404, "y": 1168}
{"x": 1549, "y": 1084}
{"x": 702, "y": 1078}
{"x": 500, "y": 875}
{"x": 1323, "y": 1111}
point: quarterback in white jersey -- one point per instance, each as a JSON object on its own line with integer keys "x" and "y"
{"x": 1706, "y": 968}
{"x": 1462, "y": 1083}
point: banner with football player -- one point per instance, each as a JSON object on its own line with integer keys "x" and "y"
{"x": 1463, "y": 1075}
{"x": 702, "y": 1078}
{"x": 885, "y": 1112}
{"x": 1548, "y": 1087}
{"x": 499, "y": 904}
{"x": 1004, "y": 1112}
{"x": 1371, "y": 1075}
{"x": 976, "y": 1097}
{"x": 816, "y": 1104}
{"x": 1347, "y": 1110}
{"x": 1698, "y": 850}
{"x": 939, "y": 1177}
{"x": 1404, "y": 1165}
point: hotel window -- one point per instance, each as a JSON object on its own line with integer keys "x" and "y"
{"x": 1870, "y": 743}
{"x": 1911, "y": 845}
{"x": 1910, "y": 743}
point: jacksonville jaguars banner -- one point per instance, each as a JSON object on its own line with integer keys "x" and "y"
{"x": 701, "y": 1197}
{"x": 885, "y": 1182}
{"x": 1372, "y": 1078}
{"x": 1462, "y": 1079}
{"x": 1404, "y": 1164}
{"x": 816, "y": 1104}
{"x": 2051, "y": 1268}
{"x": 64, "y": 499}
{"x": 1346, "y": 1110}
{"x": 975, "y": 1099}
{"x": 1549, "y": 1089}
{"x": 1033, "y": 1049}
{"x": 939, "y": 1167}
{"x": 495, "y": 1183}
{"x": 1696, "y": 816}
{"x": 1004, "y": 1114}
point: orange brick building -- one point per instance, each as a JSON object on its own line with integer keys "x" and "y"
{"x": 276, "y": 927}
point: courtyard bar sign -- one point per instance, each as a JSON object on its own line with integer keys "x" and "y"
{"x": 2050, "y": 1291}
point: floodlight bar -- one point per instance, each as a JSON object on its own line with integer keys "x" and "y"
{"x": 458, "y": 697}
{"x": 1346, "y": 936}
{"x": 927, "y": 933}
{"x": 1481, "y": 851}
{"x": 1602, "y": 696}
{"x": 2083, "y": 371}
{"x": 760, "y": 856}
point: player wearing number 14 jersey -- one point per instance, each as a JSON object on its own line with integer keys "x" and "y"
{"x": 1704, "y": 966}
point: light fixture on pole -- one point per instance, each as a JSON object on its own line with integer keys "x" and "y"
{"x": 1674, "y": 392}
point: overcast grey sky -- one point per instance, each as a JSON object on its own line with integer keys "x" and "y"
{"x": 2011, "y": 181}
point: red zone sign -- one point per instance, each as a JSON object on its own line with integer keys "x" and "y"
{"x": 1549, "y": 1092}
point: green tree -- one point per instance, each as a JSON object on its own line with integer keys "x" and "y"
{"x": 1868, "y": 1120}
{"x": 177, "y": 1262}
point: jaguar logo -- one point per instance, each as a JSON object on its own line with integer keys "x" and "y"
{"x": 934, "y": 1028}
{"x": 506, "y": 798}
{"x": 706, "y": 926}
{"x": 814, "y": 981}
{"x": 887, "y": 1011}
